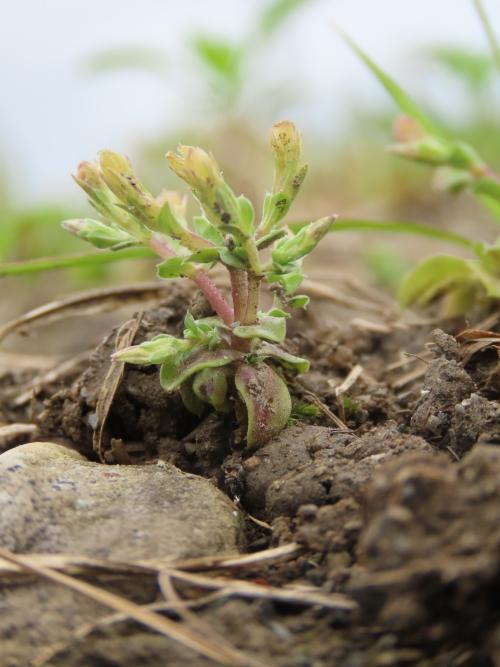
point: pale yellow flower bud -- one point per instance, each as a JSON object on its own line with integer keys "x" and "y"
{"x": 196, "y": 167}
{"x": 286, "y": 143}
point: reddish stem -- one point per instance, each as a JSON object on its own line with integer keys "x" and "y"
{"x": 212, "y": 294}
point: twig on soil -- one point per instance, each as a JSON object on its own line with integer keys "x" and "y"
{"x": 250, "y": 517}
{"x": 52, "y": 375}
{"x": 165, "y": 582}
{"x": 257, "y": 559}
{"x": 15, "y": 361}
{"x": 178, "y": 632}
{"x": 81, "y": 565}
{"x": 86, "y": 629}
{"x": 412, "y": 355}
{"x": 236, "y": 587}
{"x": 349, "y": 381}
{"x": 86, "y": 303}
{"x": 323, "y": 407}
{"x": 84, "y": 565}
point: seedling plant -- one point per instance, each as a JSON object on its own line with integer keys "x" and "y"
{"x": 234, "y": 359}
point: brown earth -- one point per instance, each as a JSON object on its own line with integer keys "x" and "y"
{"x": 399, "y": 510}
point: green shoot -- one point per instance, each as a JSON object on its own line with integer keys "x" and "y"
{"x": 232, "y": 361}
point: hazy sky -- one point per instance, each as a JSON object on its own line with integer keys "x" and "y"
{"x": 53, "y": 114}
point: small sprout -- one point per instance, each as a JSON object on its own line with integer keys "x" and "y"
{"x": 232, "y": 361}
{"x": 305, "y": 411}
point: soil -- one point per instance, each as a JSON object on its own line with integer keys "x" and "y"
{"x": 399, "y": 507}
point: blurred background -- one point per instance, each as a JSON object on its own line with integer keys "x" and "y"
{"x": 140, "y": 77}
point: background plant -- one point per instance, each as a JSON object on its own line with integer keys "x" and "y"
{"x": 458, "y": 166}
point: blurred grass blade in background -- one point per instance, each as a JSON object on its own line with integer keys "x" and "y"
{"x": 395, "y": 227}
{"x": 400, "y": 97}
{"x": 490, "y": 33}
{"x": 126, "y": 58}
{"x": 81, "y": 260}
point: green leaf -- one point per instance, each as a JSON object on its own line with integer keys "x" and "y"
{"x": 156, "y": 351}
{"x": 269, "y": 239}
{"x": 168, "y": 223}
{"x": 488, "y": 279}
{"x": 432, "y": 277}
{"x": 206, "y": 256}
{"x": 97, "y": 233}
{"x": 285, "y": 359}
{"x": 290, "y": 250}
{"x": 190, "y": 400}
{"x": 489, "y": 257}
{"x": 209, "y": 232}
{"x": 267, "y": 401}
{"x": 274, "y": 209}
{"x": 277, "y": 12}
{"x": 247, "y": 215}
{"x": 299, "y": 301}
{"x": 204, "y": 332}
{"x": 172, "y": 375}
{"x": 174, "y": 267}
{"x": 277, "y": 312}
{"x": 231, "y": 258}
{"x": 268, "y": 328}
{"x": 210, "y": 386}
{"x": 220, "y": 56}
{"x": 289, "y": 281}
{"x": 400, "y": 97}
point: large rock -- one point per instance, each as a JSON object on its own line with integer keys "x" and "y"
{"x": 52, "y": 500}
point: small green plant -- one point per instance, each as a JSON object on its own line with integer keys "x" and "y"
{"x": 232, "y": 360}
{"x": 462, "y": 282}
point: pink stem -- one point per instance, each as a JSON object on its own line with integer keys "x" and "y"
{"x": 212, "y": 294}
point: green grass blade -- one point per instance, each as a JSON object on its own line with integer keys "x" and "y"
{"x": 400, "y": 97}
{"x": 490, "y": 33}
{"x": 276, "y": 13}
{"x": 71, "y": 261}
{"x": 396, "y": 227}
